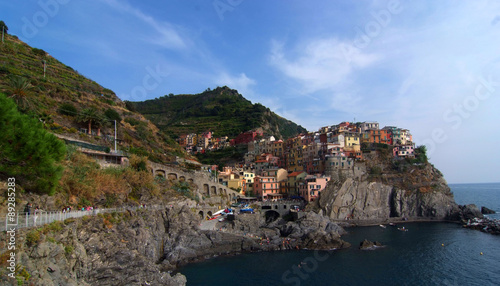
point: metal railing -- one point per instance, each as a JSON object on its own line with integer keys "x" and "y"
{"x": 38, "y": 218}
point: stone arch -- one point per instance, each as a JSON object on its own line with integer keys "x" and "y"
{"x": 213, "y": 190}
{"x": 271, "y": 216}
{"x": 220, "y": 191}
{"x": 284, "y": 207}
{"x": 206, "y": 189}
{"x": 159, "y": 173}
{"x": 182, "y": 179}
{"x": 201, "y": 214}
{"x": 276, "y": 207}
{"x": 209, "y": 213}
{"x": 267, "y": 208}
{"x": 172, "y": 176}
{"x": 191, "y": 181}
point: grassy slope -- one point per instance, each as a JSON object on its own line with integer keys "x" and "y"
{"x": 62, "y": 84}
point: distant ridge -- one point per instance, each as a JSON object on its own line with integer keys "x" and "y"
{"x": 223, "y": 111}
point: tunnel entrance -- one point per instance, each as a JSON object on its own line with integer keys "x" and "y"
{"x": 271, "y": 216}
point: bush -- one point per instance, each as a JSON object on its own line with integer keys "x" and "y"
{"x": 67, "y": 109}
{"x": 112, "y": 114}
{"x": 38, "y": 52}
{"x": 68, "y": 249}
{"x": 132, "y": 121}
{"x": 33, "y": 237}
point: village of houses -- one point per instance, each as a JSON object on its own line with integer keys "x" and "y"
{"x": 298, "y": 167}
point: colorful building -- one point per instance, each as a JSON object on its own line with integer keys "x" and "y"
{"x": 312, "y": 186}
{"x": 265, "y": 188}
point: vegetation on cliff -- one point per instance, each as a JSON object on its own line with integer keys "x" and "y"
{"x": 223, "y": 111}
{"x": 66, "y": 102}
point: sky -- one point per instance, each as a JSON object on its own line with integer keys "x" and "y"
{"x": 432, "y": 67}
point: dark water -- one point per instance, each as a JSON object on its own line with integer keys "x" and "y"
{"x": 416, "y": 257}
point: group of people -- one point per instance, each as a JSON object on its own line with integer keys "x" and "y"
{"x": 28, "y": 207}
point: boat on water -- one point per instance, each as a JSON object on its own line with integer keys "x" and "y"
{"x": 382, "y": 226}
{"x": 402, "y": 228}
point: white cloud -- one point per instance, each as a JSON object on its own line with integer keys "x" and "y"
{"x": 167, "y": 36}
{"x": 323, "y": 64}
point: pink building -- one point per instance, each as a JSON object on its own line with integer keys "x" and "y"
{"x": 403, "y": 151}
{"x": 265, "y": 188}
{"x": 312, "y": 186}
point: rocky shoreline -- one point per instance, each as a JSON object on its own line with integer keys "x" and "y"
{"x": 487, "y": 225}
{"x": 144, "y": 247}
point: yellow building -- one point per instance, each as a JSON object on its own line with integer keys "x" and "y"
{"x": 351, "y": 139}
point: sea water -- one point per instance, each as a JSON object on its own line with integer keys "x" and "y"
{"x": 427, "y": 254}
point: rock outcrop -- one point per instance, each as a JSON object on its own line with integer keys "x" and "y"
{"x": 369, "y": 245}
{"x": 485, "y": 210}
{"x": 418, "y": 194}
{"x": 378, "y": 202}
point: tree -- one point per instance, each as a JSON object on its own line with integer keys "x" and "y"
{"x": 88, "y": 115}
{"x": 421, "y": 154}
{"x": 18, "y": 88}
{"x": 28, "y": 152}
{"x": 5, "y": 28}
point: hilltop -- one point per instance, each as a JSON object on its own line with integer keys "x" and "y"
{"x": 223, "y": 111}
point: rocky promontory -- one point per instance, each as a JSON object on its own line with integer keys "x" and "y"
{"x": 396, "y": 191}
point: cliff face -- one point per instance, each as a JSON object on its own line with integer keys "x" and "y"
{"x": 362, "y": 200}
{"x": 418, "y": 193}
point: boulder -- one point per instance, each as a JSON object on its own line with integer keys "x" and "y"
{"x": 367, "y": 245}
{"x": 485, "y": 210}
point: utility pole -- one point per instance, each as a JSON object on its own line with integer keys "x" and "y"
{"x": 115, "y": 136}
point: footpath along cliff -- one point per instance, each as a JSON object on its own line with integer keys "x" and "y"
{"x": 381, "y": 189}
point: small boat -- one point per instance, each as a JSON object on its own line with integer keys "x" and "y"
{"x": 402, "y": 229}
{"x": 382, "y": 226}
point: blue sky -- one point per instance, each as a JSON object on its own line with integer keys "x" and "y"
{"x": 428, "y": 66}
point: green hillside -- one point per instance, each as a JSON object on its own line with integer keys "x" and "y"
{"x": 223, "y": 111}
{"x": 71, "y": 105}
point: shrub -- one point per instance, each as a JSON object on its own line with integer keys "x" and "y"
{"x": 67, "y": 109}
{"x": 132, "y": 121}
{"x": 38, "y": 52}
{"x": 68, "y": 249}
{"x": 33, "y": 237}
{"x": 112, "y": 114}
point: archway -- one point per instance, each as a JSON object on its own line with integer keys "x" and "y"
{"x": 213, "y": 190}
{"x": 271, "y": 216}
{"x": 201, "y": 214}
{"x": 172, "y": 176}
{"x": 160, "y": 173}
{"x": 206, "y": 190}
